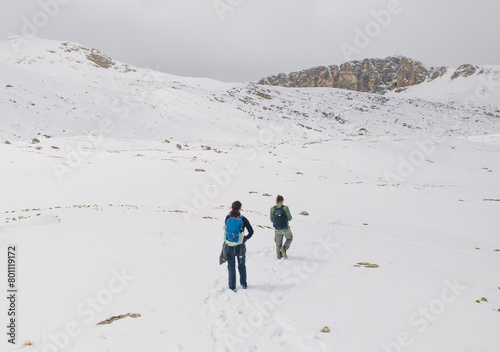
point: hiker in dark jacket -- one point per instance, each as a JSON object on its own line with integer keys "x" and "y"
{"x": 235, "y": 239}
{"x": 280, "y": 216}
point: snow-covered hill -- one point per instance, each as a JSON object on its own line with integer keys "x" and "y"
{"x": 115, "y": 182}
{"x": 466, "y": 85}
{"x": 63, "y": 89}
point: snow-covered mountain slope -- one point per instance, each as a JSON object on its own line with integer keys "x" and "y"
{"x": 477, "y": 86}
{"x": 63, "y": 89}
{"x": 116, "y": 182}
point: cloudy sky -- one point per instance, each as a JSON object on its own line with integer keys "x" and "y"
{"x": 244, "y": 40}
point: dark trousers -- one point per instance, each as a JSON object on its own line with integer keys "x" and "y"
{"x": 233, "y": 254}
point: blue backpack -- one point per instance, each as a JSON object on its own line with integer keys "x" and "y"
{"x": 233, "y": 229}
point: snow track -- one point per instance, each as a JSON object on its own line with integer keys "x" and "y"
{"x": 258, "y": 319}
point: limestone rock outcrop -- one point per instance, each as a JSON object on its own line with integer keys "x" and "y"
{"x": 369, "y": 75}
{"x": 464, "y": 70}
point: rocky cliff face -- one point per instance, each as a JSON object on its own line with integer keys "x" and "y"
{"x": 466, "y": 70}
{"x": 369, "y": 75}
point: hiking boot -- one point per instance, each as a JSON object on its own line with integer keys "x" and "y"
{"x": 283, "y": 253}
{"x": 245, "y": 286}
{"x": 232, "y": 289}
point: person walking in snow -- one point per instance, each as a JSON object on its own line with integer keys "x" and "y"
{"x": 235, "y": 240}
{"x": 280, "y": 216}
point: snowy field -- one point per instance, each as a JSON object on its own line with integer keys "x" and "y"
{"x": 399, "y": 249}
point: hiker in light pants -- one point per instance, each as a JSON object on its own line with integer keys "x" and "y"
{"x": 280, "y": 216}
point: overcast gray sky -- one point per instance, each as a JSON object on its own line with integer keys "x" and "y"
{"x": 244, "y": 40}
